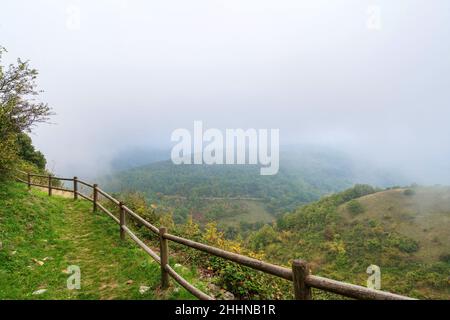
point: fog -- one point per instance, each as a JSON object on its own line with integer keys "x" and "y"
{"x": 368, "y": 77}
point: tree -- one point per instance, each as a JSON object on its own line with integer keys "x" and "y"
{"x": 354, "y": 207}
{"x": 18, "y": 90}
{"x": 19, "y": 112}
{"x": 27, "y": 152}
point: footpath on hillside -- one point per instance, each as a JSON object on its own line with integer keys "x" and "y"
{"x": 44, "y": 241}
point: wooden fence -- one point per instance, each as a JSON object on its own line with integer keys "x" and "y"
{"x": 299, "y": 273}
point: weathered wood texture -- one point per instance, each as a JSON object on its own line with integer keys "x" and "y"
{"x": 123, "y": 221}
{"x": 75, "y": 188}
{"x": 49, "y": 185}
{"x": 164, "y": 251}
{"x": 94, "y": 198}
{"x": 300, "y": 270}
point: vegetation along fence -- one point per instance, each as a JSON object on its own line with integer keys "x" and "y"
{"x": 299, "y": 273}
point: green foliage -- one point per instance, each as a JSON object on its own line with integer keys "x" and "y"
{"x": 342, "y": 250}
{"x": 8, "y": 155}
{"x": 264, "y": 236}
{"x": 409, "y": 192}
{"x": 304, "y": 176}
{"x": 445, "y": 258}
{"x": 243, "y": 282}
{"x": 27, "y": 152}
{"x": 407, "y": 245}
{"x": 197, "y": 182}
{"x": 19, "y": 112}
{"x": 17, "y": 97}
{"x": 357, "y": 191}
{"x": 354, "y": 207}
{"x": 137, "y": 202}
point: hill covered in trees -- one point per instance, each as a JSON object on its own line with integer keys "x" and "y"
{"x": 340, "y": 235}
{"x": 404, "y": 231}
{"x": 306, "y": 173}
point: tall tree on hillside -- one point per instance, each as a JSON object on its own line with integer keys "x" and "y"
{"x": 19, "y": 110}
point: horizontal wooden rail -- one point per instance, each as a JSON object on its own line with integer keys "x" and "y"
{"x": 85, "y": 197}
{"x": 275, "y": 270}
{"x": 39, "y": 175}
{"x": 109, "y": 213}
{"x": 86, "y": 184}
{"x": 38, "y": 185}
{"x": 303, "y": 280}
{"x": 61, "y": 189}
{"x": 62, "y": 179}
{"x": 141, "y": 220}
{"x": 107, "y": 196}
{"x": 351, "y": 290}
{"x": 196, "y": 292}
{"x": 189, "y": 287}
{"x": 20, "y": 180}
{"x": 142, "y": 244}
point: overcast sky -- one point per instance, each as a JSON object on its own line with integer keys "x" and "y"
{"x": 372, "y": 76}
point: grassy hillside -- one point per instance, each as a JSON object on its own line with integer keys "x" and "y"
{"x": 420, "y": 213}
{"x": 41, "y": 236}
{"x": 406, "y": 235}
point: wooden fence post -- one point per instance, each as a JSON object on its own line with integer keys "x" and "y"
{"x": 300, "y": 270}
{"x": 123, "y": 221}
{"x": 95, "y": 198}
{"x": 164, "y": 251}
{"x": 50, "y": 185}
{"x": 75, "y": 188}
{"x": 29, "y": 181}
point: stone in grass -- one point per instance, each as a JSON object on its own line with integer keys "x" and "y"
{"x": 143, "y": 289}
{"x": 40, "y": 291}
{"x": 41, "y": 263}
{"x": 220, "y": 293}
{"x": 129, "y": 282}
{"x": 228, "y": 295}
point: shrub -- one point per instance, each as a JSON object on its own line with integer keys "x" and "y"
{"x": 8, "y": 155}
{"x": 408, "y": 245}
{"x": 409, "y": 192}
{"x": 445, "y": 258}
{"x": 354, "y": 207}
{"x": 27, "y": 152}
{"x": 263, "y": 237}
{"x": 19, "y": 112}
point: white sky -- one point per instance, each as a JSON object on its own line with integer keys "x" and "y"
{"x": 133, "y": 71}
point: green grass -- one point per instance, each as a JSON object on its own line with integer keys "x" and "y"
{"x": 61, "y": 232}
{"x": 423, "y": 215}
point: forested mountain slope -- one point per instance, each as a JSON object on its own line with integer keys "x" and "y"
{"x": 306, "y": 174}
{"x": 403, "y": 231}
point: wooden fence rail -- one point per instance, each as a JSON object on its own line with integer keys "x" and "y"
{"x": 299, "y": 273}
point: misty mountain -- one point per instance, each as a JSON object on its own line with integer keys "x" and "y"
{"x": 306, "y": 173}
{"x": 136, "y": 157}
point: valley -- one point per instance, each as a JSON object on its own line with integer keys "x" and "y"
{"x": 314, "y": 209}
